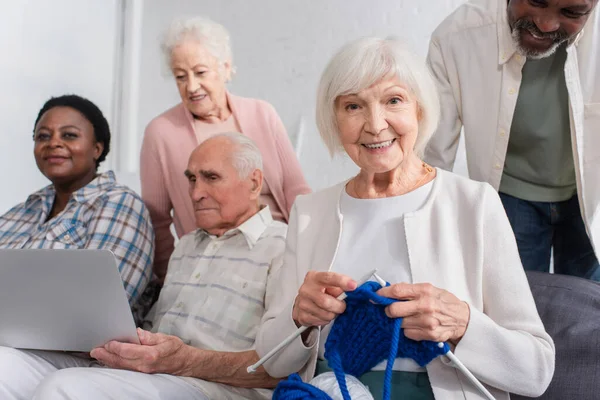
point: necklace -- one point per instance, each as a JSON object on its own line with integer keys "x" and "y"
{"x": 429, "y": 169}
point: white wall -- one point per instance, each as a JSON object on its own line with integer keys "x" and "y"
{"x": 48, "y": 48}
{"x": 280, "y": 48}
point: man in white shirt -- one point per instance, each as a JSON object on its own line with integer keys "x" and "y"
{"x": 521, "y": 78}
{"x": 218, "y": 286}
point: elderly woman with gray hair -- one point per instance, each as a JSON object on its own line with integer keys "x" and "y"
{"x": 198, "y": 53}
{"x": 441, "y": 240}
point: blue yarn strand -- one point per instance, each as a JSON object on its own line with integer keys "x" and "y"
{"x": 389, "y": 368}
{"x": 360, "y": 338}
{"x": 335, "y": 363}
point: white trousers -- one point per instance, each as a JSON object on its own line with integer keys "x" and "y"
{"x": 49, "y": 375}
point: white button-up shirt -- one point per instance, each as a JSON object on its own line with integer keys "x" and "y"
{"x": 474, "y": 61}
{"x": 215, "y": 288}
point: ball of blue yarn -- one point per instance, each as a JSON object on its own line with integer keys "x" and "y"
{"x": 294, "y": 389}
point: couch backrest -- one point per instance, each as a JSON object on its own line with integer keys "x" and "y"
{"x": 570, "y": 310}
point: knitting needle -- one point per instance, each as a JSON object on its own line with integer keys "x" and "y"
{"x": 455, "y": 361}
{"x": 380, "y": 280}
{"x": 458, "y": 364}
{"x": 252, "y": 369}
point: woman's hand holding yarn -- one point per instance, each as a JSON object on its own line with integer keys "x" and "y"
{"x": 428, "y": 312}
{"x": 316, "y": 303}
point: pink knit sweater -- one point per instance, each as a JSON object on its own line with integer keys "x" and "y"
{"x": 169, "y": 140}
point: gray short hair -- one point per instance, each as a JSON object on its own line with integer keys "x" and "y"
{"x": 362, "y": 63}
{"x": 203, "y": 30}
{"x": 246, "y": 156}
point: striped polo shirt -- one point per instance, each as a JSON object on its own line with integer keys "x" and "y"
{"x": 214, "y": 292}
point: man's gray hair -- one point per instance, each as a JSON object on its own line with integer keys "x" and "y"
{"x": 245, "y": 156}
{"x": 206, "y": 32}
{"x": 364, "y": 62}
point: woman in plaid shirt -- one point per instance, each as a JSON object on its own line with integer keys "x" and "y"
{"x": 81, "y": 208}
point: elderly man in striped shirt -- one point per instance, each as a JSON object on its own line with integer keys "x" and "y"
{"x": 219, "y": 284}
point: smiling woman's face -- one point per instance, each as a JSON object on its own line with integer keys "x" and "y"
{"x": 378, "y": 126}
{"x": 65, "y": 147}
{"x": 199, "y": 77}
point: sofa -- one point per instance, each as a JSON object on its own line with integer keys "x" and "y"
{"x": 570, "y": 310}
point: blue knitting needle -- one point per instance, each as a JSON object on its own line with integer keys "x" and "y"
{"x": 252, "y": 369}
{"x": 455, "y": 361}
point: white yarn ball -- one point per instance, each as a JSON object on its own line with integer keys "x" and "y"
{"x": 327, "y": 383}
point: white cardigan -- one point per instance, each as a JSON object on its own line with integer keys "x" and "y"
{"x": 461, "y": 241}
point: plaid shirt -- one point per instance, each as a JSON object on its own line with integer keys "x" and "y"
{"x": 101, "y": 215}
{"x": 215, "y": 288}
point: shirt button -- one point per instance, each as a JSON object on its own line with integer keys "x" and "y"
{"x": 67, "y": 237}
{"x": 179, "y": 305}
{"x": 518, "y": 57}
{"x": 502, "y": 133}
{"x": 498, "y": 166}
{"x": 197, "y": 276}
{"x": 512, "y": 91}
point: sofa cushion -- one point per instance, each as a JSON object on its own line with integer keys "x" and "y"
{"x": 570, "y": 310}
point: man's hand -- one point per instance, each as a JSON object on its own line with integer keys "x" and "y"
{"x": 165, "y": 354}
{"x": 158, "y": 353}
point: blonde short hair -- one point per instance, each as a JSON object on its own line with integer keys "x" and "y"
{"x": 362, "y": 63}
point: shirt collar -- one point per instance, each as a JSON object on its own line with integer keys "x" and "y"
{"x": 95, "y": 188}
{"x": 252, "y": 228}
{"x": 506, "y": 45}
{"x": 98, "y": 186}
{"x": 575, "y": 41}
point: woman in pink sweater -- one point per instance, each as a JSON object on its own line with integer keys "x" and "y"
{"x": 199, "y": 56}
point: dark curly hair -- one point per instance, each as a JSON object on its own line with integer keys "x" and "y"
{"x": 90, "y": 111}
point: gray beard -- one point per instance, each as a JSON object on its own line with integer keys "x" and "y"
{"x": 532, "y": 54}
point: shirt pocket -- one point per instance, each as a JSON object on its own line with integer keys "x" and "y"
{"x": 236, "y": 308}
{"x": 66, "y": 235}
{"x": 591, "y": 132}
{"x": 251, "y": 287}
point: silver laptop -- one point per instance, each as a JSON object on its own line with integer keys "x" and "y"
{"x": 70, "y": 300}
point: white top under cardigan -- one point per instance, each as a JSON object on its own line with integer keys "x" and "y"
{"x": 373, "y": 237}
{"x": 461, "y": 241}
